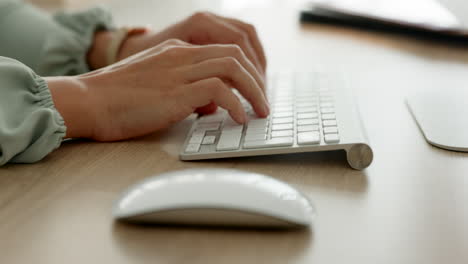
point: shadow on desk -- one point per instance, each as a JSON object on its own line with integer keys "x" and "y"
{"x": 327, "y": 171}
{"x": 161, "y": 244}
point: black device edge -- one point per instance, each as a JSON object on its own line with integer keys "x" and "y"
{"x": 351, "y": 21}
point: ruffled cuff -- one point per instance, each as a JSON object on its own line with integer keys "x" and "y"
{"x": 30, "y": 125}
{"x": 49, "y": 130}
{"x": 64, "y": 52}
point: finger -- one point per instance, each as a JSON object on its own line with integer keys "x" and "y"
{"x": 156, "y": 49}
{"x": 214, "y": 90}
{"x": 224, "y": 33}
{"x": 253, "y": 38}
{"x": 219, "y": 51}
{"x": 230, "y": 69}
{"x": 207, "y": 109}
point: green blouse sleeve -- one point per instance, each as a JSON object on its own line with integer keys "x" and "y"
{"x": 50, "y": 45}
{"x": 30, "y": 126}
{"x": 35, "y": 44}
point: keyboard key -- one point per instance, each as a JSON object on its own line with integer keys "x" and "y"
{"x": 312, "y": 121}
{"x": 282, "y": 127}
{"x": 208, "y": 126}
{"x": 283, "y": 109}
{"x": 192, "y": 148}
{"x": 330, "y": 130}
{"x": 263, "y": 122}
{"x": 332, "y": 138}
{"x": 198, "y": 132}
{"x": 308, "y": 138}
{"x": 197, "y": 136}
{"x": 307, "y": 92}
{"x": 282, "y": 133}
{"x": 229, "y": 122}
{"x": 213, "y": 118}
{"x": 283, "y": 96}
{"x": 307, "y": 128}
{"x": 269, "y": 143}
{"x": 208, "y": 140}
{"x": 329, "y": 104}
{"x": 278, "y": 104}
{"x": 327, "y": 123}
{"x": 308, "y": 109}
{"x": 282, "y": 114}
{"x": 328, "y": 116}
{"x": 326, "y": 99}
{"x": 308, "y": 104}
{"x": 255, "y": 137}
{"x": 229, "y": 141}
{"x": 253, "y": 131}
{"x": 196, "y": 139}
{"x": 306, "y": 115}
{"x": 306, "y": 96}
{"x": 283, "y": 120}
{"x": 232, "y": 129}
{"x": 256, "y": 124}
{"x": 327, "y": 110}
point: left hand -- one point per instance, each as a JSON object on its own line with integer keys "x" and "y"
{"x": 203, "y": 28}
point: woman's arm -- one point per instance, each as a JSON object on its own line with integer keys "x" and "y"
{"x": 146, "y": 92}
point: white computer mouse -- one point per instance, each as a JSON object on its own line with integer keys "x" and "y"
{"x": 218, "y": 197}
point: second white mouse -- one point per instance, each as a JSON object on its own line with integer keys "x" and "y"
{"x": 219, "y": 197}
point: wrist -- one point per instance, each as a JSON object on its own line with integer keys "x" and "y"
{"x": 132, "y": 42}
{"x": 111, "y": 46}
{"x": 72, "y": 101}
{"x": 96, "y": 56}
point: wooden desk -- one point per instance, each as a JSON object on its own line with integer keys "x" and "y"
{"x": 409, "y": 206}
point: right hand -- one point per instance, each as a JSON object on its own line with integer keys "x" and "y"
{"x": 157, "y": 87}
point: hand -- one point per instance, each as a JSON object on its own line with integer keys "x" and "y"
{"x": 204, "y": 28}
{"x": 155, "y": 88}
{"x": 201, "y": 28}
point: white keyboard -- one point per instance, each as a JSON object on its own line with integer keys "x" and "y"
{"x": 309, "y": 112}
